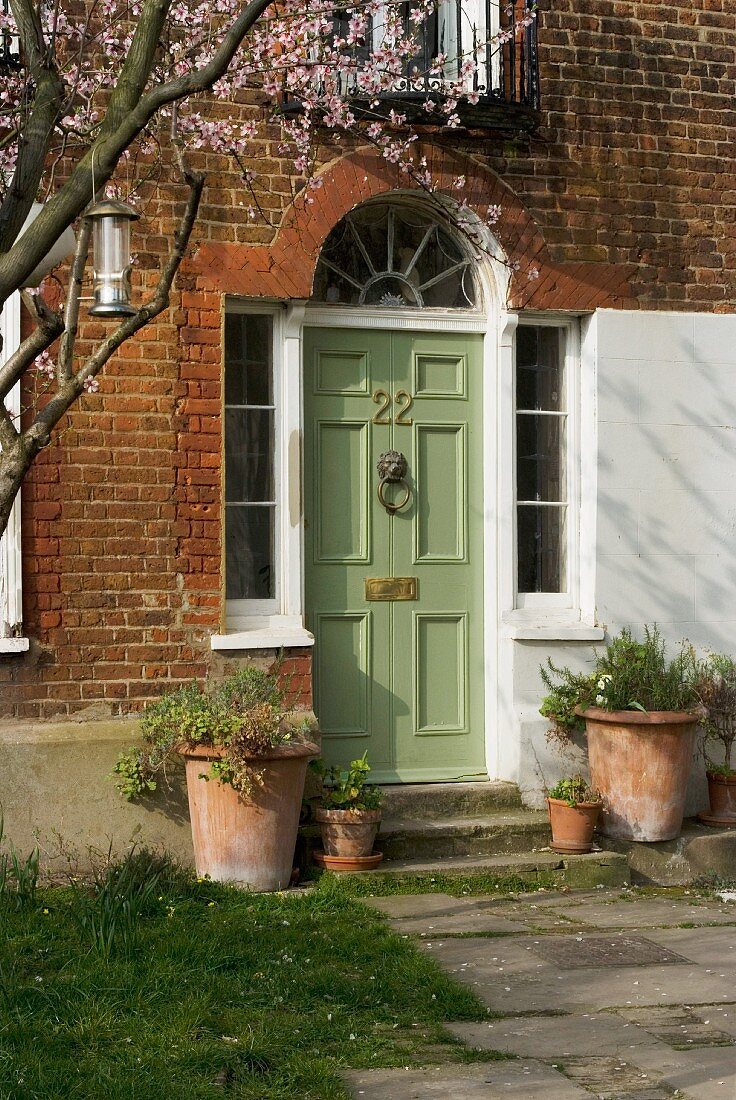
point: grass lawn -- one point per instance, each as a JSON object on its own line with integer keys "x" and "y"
{"x": 213, "y": 993}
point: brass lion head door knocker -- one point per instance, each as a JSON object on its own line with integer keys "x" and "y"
{"x": 392, "y": 469}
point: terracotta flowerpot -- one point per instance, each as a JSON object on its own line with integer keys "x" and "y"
{"x": 722, "y": 794}
{"x": 247, "y": 841}
{"x": 640, "y": 763}
{"x": 572, "y": 826}
{"x": 348, "y": 832}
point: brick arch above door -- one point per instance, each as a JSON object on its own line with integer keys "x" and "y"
{"x": 285, "y": 268}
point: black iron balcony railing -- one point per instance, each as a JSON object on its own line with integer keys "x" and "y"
{"x": 504, "y": 86}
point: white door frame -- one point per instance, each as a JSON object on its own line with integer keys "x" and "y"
{"x": 498, "y": 327}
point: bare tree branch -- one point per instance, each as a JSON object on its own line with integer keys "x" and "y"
{"x": 9, "y": 434}
{"x": 74, "y": 293}
{"x": 35, "y": 135}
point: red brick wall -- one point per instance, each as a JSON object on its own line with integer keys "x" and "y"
{"x": 625, "y": 197}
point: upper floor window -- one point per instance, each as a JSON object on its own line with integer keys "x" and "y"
{"x": 544, "y": 523}
{"x": 504, "y": 73}
{"x": 393, "y": 255}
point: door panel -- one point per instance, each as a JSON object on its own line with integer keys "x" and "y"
{"x": 403, "y": 679}
{"x": 440, "y": 673}
{"x": 342, "y": 644}
{"x": 342, "y": 514}
{"x": 441, "y": 466}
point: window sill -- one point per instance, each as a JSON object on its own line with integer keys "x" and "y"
{"x": 269, "y": 637}
{"x": 14, "y": 645}
{"x": 553, "y": 632}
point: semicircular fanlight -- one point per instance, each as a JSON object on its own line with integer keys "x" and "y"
{"x": 393, "y": 256}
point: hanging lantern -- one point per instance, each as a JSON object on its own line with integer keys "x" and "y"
{"x": 111, "y": 251}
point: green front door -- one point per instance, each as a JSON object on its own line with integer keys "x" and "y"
{"x": 402, "y": 678}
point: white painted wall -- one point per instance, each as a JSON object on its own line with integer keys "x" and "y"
{"x": 665, "y": 539}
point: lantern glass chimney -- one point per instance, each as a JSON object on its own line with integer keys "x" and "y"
{"x": 111, "y": 251}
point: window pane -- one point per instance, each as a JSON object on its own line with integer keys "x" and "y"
{"x": 248, "y": 373}
{"x": 540, "y": 457}
{"x": 391, "y": 256}
{"x": 539, "y": 369}
{"x": 249, "y": 454}
{"x": 542, "y": 548}
{"x": 249, "y": 553}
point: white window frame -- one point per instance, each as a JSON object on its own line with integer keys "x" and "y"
{"x": 270, "y": 624}
{"x": 537, "y": 615}
{"x": 11, "y": 558}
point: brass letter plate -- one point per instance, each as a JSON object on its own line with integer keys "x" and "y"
{"x": 391, "y": 588}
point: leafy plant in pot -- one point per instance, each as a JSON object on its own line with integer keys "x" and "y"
{"x": 245, "y": 768}
{"x": 715, "y": 686}
{"x": 638, "y": 710}
{"x": 349, "y": 815}
{"x": 573, "y": 808}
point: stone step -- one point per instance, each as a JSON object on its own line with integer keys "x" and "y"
{"x": 700, "y": 852}
{"x": 494, "y": 834}
{"x": 435, "y": 800}
{"x": 529, "y": 869}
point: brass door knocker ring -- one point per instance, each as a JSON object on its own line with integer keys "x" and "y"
{"x": 392, "y": 469}
{"x": 396, "y": 505}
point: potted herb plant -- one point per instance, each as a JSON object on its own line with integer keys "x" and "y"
{"x": 349, "y": 815}
{"x": 245, "y": 769}
{"x": 715, "y": 685}
{"x": 573, "y": 808}
{"x": 638, "y": 711}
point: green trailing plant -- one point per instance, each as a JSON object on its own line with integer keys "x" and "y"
{"x": 347, "y": 789}
{"x": 627, "y": 675}
{"x": 574, "y": 790}
{"x": 244, "y": 715}
{"x": 714, "y": 682}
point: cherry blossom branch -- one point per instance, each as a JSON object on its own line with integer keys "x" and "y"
{"x": 35, "y": 135}
{"x": 49, "y": 328}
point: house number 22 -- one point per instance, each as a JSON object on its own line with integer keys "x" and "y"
{"x": 383, "y": 399}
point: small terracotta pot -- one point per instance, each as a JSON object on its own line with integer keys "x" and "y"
{"x": 722, "y": 794}
{"x": 640, "y": 763}
{"x": 348, "y": 832}
{"x": 247, "y": 841}
{"x": 348, "y": 863}
{"x": 572, "y": 826}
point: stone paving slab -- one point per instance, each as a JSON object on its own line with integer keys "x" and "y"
{"x": 557, "y": 1036}
{"x": 509, "y": 984}
{"x": 420, "y": 905}
{"x": 719, "y": 1016}
{"x": 527, "y": 1080}
{"x": 698, "y": 1074}
{"x": 441, "y": 914}
{"x": 680, "y": 1026}
{"x": 715, "y": 951}
{"x": 647, "y": 912}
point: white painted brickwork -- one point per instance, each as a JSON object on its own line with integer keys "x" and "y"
{"x": 11, "y": 604}
{"x": 666, "y": 538}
